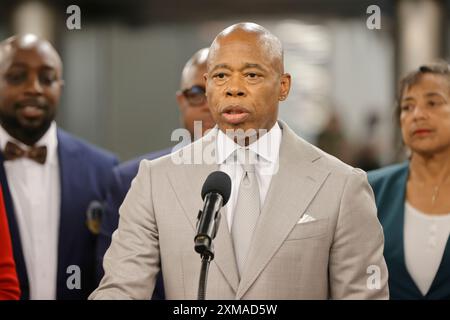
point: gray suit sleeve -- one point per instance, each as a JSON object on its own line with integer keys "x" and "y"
{"x": 132, "y": 261}
{"x": 357, "y": 267}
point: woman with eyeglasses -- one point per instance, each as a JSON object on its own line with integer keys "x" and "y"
{"x": 9, "y": 285}
{"x": 413, "y": 198}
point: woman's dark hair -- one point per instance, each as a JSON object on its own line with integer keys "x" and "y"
{"x": 439, "y": 68}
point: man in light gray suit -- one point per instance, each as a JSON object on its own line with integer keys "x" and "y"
{"x": 299, "y": 223}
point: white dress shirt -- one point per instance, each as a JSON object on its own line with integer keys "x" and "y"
{"x": 425, "y": 240}
{"x": 35, "y": 191}
{"x": 267, "y": 149}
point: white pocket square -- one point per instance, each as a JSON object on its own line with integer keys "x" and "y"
{"x": 306, "y": 218}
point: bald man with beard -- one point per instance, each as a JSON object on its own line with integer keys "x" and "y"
{"x": 299, "y": 223}
{"x": 49, "y": 177}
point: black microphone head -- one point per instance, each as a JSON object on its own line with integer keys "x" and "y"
{"x": 218, "y": 182}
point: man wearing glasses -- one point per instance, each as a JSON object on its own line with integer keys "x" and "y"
{"x": 191, "y": 97}
{"x": 193, "y": 108}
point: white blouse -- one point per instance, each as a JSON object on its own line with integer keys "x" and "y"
{"x": 425, "y": 238}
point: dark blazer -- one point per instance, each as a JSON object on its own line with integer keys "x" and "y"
{"x": 389, "y": 186}
{"x": 120, "y": 183}
{"x": 84, "y": 174}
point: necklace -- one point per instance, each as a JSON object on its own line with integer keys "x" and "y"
{"x": 435, "y": 193}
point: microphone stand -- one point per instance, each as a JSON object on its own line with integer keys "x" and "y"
{"x": 207, "y": 255}
{"x": 203, "y": 241}
{"x": 206, "y": 259}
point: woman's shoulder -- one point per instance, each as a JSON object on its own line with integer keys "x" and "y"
{"x": 387, "y": 173}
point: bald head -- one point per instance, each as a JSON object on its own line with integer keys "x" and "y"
{"x": 195, "y": 63}
{"x": 28, "y": 42}
{"x": 255, "y": 35}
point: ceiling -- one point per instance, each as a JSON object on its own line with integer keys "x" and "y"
{"x": 141, "y": 12}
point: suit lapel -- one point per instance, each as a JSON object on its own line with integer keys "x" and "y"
{"x": 70, "y": 189}
{"x": 187, "y": 185}
{"x": 290, "y": 192}
{"x": 393, "y": 225}
{"x": 187, "y": 182}
{"x": 439, "y": 286}
{"x": 225, "y": 258}
{"x": 14, "y": 232}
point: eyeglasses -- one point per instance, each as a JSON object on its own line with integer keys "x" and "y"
{"x": 195, "y": 95}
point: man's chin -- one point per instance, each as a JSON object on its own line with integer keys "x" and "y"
{"x": 34, "y": 129}
{"x": 33, "y": 125}
{"x": 235, "y": 126}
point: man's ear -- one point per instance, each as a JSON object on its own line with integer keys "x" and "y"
{"x": 285, "y": 86}
{"x": 205, "y": 78}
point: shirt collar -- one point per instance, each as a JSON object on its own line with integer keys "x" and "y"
{"x": 49, "y": 139}
{"x": 266, "y": 147}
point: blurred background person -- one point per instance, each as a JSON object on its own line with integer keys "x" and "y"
{"x": 49, "y": 177}
{"x": 332, "y": 140}
{"x": 412, "y": 197}
{"x": 191, "y": 97}
{"x": 9, "y": 284}
{"x": 193, "y": 107}
{"x": 366, "y": 156}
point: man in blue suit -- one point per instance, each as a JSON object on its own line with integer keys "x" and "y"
{"x": 193, "y": 107}
{"x": 49, "y": 177}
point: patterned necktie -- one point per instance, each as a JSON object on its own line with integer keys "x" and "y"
{"x": 246, "y": 214}
{"x": 13, "y": 151}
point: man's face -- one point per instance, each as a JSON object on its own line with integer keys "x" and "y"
{"x": 244, "y": 84}
{"x": 30, "y": 88}
{"x": 192, "y": 101}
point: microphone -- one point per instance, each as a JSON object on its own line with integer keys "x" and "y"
{"x": 215, "y": 193}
